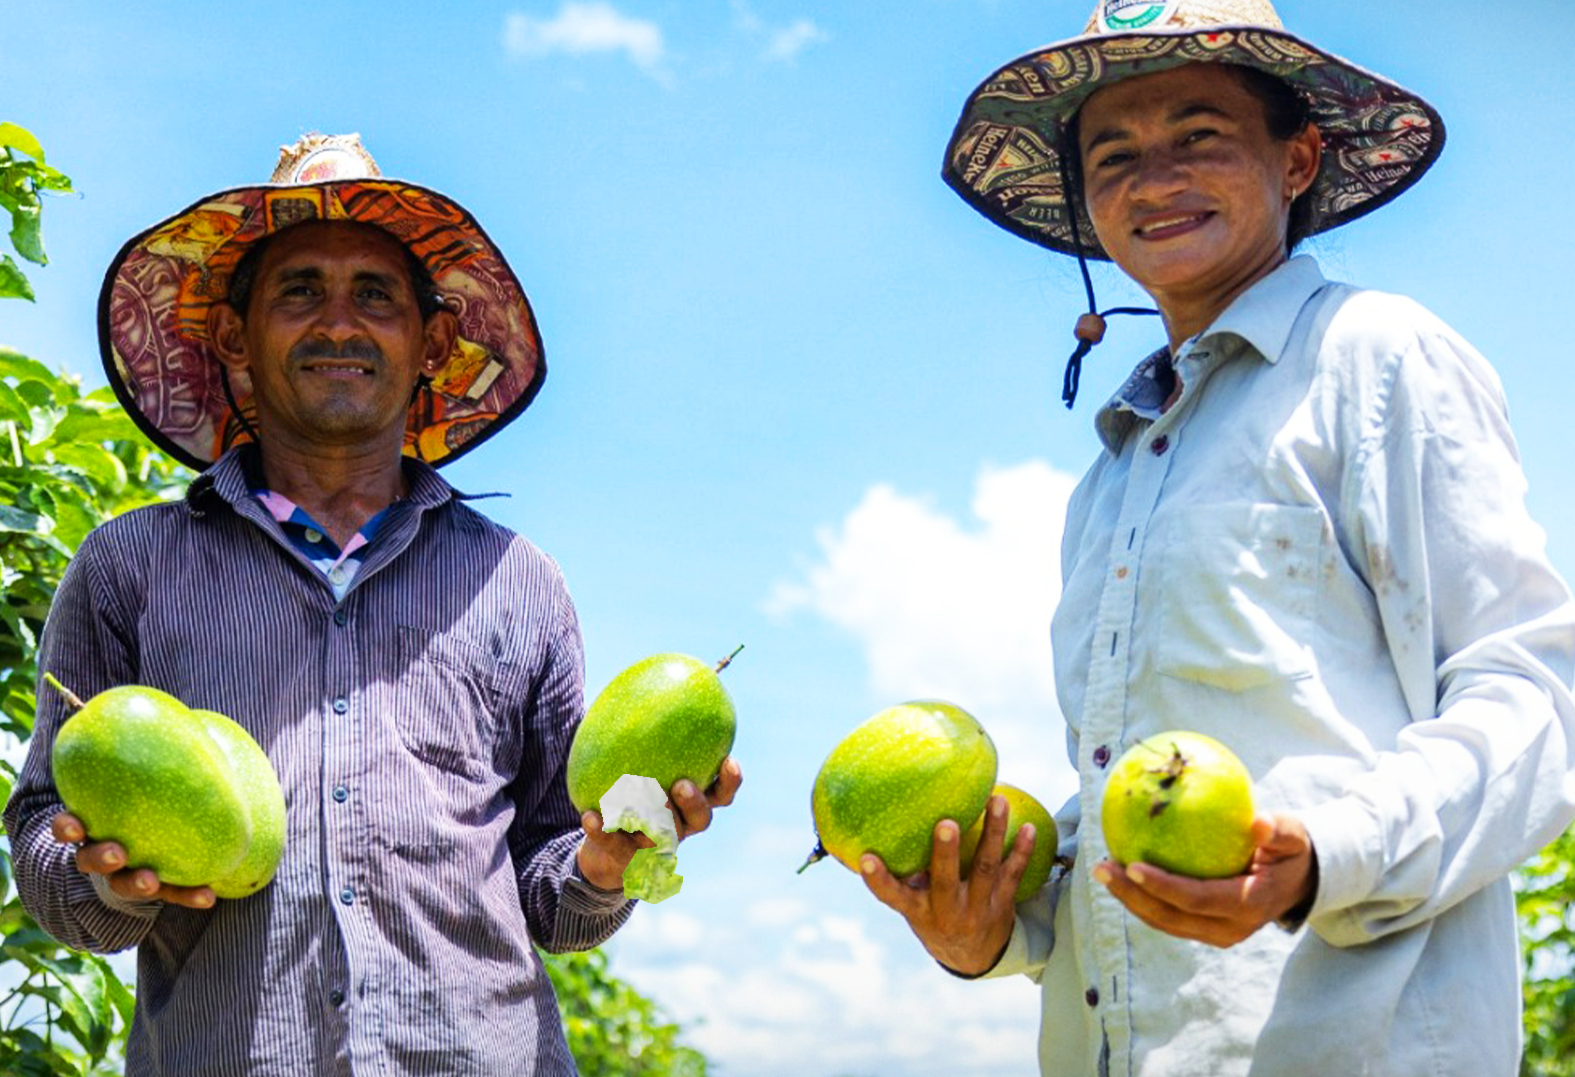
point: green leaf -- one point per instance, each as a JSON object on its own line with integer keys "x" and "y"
{"x": 25, "y": 523}
{"x": 102, "y": 467}
{"x": 14, "y": 136}
{"x": 45, "y": 415}
{"x": 84, "y": 424}
{"x": 13, "y": 364}
{"x": 12, "y": 409}
{"x": 13, "y": 282}
{"x": 26, "y": 234}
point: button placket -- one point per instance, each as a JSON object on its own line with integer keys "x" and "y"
{"x": 1105, "y": 946}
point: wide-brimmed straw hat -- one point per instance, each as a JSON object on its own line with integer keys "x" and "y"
{"x": 153, "y": 309}
{"x": 1004, "y": 157}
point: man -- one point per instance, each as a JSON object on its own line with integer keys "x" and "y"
{"x": 1305, "y": 536}
{"x": 413, "y": 670}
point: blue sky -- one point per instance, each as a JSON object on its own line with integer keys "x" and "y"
{"x": 799, "y": 395}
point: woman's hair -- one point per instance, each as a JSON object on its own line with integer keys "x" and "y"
{"x": 1286, "y": 113}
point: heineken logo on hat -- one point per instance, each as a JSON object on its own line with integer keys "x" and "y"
{"x": 1116, "y": 16}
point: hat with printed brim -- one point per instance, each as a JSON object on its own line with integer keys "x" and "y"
{"x": 1004, "y": 157}
{"x": 153, "y": 308}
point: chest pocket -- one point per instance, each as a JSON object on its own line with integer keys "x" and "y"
{"x": 1237, "y": 604}
{"x": 447, "y": 701}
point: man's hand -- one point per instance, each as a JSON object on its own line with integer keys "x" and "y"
{"x": 965, "y": 924}
{"x": 1222, "y": 912}
{"x": 108, "y": 858}
{"x": 603, "y": 855}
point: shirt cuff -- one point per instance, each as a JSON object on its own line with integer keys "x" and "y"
{"x": 586, "y": 897}
{"x": 1345, "y": 840}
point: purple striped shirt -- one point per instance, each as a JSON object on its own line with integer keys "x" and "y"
{"x": 419, "y": 727}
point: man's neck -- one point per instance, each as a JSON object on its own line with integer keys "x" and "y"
{"x": 341, "y": 492}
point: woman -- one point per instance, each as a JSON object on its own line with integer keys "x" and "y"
{"x": 1306, "y": 538}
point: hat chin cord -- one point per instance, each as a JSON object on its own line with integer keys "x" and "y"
{"x": 235, "y": 408}
{"x": 1091, "y": 326}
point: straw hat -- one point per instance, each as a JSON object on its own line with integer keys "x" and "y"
{"x": 1004, "y": 156}
{"x": 153, "y": 308}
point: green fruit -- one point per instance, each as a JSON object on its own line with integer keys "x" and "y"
{"x": 886, "y": 784}
{"x": 666, "y": 717}
{"x": 259, "y": 789}
{"x": 1181, "y": 801}
{"x": 1020, "y": 808}
{"x": 140, "y": 768}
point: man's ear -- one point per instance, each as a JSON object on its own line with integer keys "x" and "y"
{"x": 227, "y": 334}
{"x": 440, "y": 331}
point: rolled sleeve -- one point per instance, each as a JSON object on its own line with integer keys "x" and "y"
{"x": 1482, "y": 634}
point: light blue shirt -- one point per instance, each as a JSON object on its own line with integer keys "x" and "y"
{"x": 1319, "y": 555}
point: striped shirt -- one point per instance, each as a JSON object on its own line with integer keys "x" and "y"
{"x": 419, "y": 727}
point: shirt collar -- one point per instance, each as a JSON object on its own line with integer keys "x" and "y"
{"x": 1261, "y": 318}
{"x": 230, "y": 479}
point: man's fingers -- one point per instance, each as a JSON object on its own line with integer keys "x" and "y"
{"x": 888, "y": 890}
{"x": 945, "y": 862}
{"x": 728, "y": 779}
{"x": 67, "y": 828}
{"x": 193, "y": 897}
{"x": 101, "y": 857}
{"x": 142, "y": 884}
{"x": 591, "y": 823}
{"x": 986, "y": 867}
{"x": 1016, "y": 861}
{"x": 691, "y": 809}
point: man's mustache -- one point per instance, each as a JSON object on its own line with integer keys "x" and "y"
{"x": 364, "y": 350}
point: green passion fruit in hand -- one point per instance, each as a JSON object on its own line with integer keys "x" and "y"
{"x": 1021, "y": 808}
{"x": 666, "y": 717}
{"x": 1181, "y": 801}
{"x": 186, "y": 792}
{"x": 886, "y": 784}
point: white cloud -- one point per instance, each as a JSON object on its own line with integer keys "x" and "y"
{"x": 579, "y": 29}
{"x": 787, "y": 42}
{"x": 827, "y": 996}
{"x": 957, "y": 611}
{"x": 782, "y": 43}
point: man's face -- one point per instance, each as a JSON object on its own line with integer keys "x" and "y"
{"x": 1187, "y": 189}
{"x": 332, "y": 337}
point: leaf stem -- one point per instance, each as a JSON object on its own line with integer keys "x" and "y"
{"x": 70, "y": 696}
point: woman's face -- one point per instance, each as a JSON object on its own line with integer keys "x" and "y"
{"x": 1188, "y": 191}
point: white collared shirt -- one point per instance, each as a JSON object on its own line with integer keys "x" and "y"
{"x": 1319, "y": 555}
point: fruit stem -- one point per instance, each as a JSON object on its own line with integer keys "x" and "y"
{"x": 816, "y": 855}
{"x": 70, "y": 696}
{"x": 724, "y": 663}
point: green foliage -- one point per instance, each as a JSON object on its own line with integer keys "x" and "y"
{"x": 23, "y": 174}
{"x": 68, "y": 461}
{"x": 1545, "y": 900}
{"x": 613, "y": 1030}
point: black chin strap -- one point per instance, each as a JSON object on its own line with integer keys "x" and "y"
{"x": 1091, "y": 326}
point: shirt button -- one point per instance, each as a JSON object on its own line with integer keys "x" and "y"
{"x": 336, "y": 997}
{"x": 336, "y": 575}
{"x": 1101, "y": 756}
{"x": 313, "y": 535}
{"x": 341, "y": 794}
{"x": 340, "y": 617}
{"x": 1091, "y": 996}
{"x": 347, "y": 896}
{"x": 341, "y": 705}
{"x": 1160, "y": 444}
